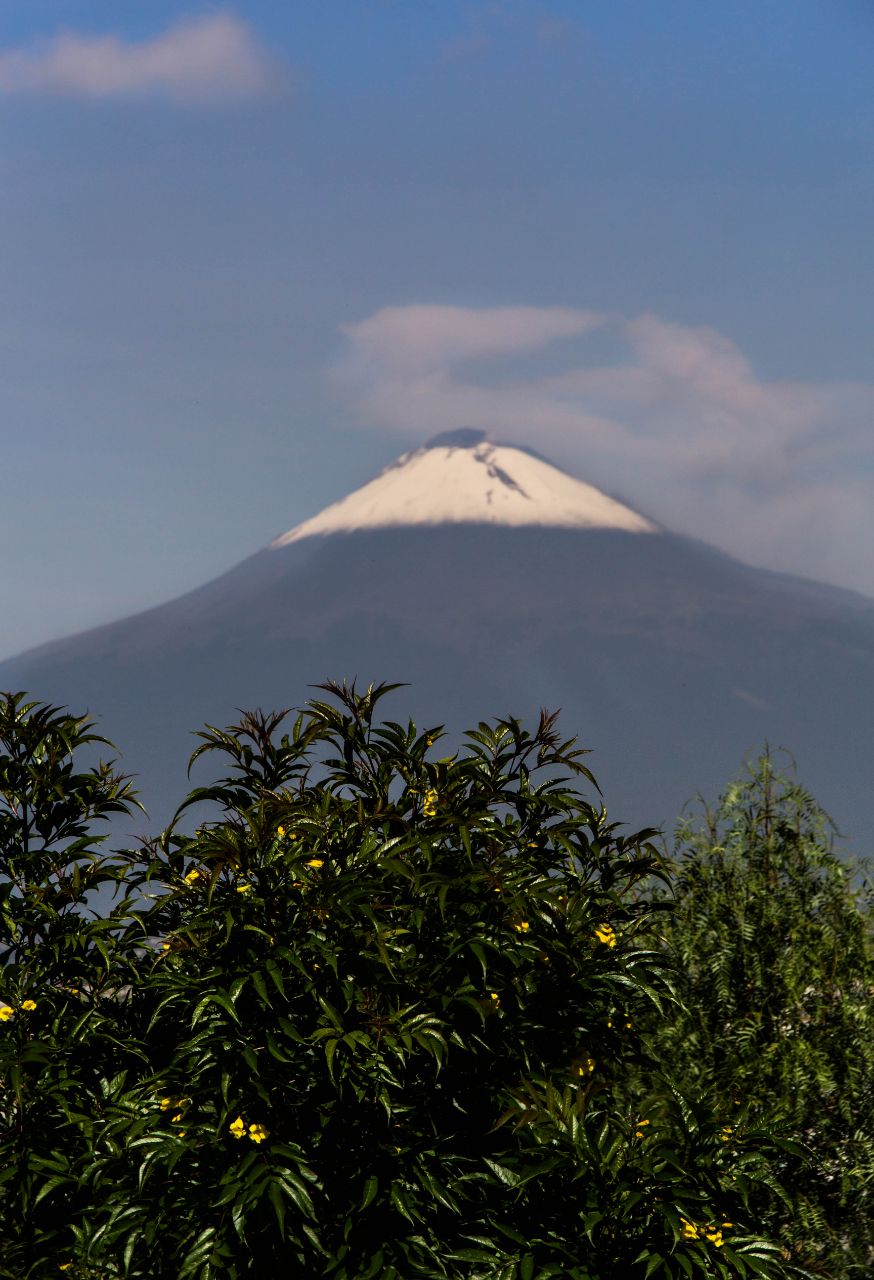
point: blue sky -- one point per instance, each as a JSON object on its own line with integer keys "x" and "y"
{"x": 250, "y": 254}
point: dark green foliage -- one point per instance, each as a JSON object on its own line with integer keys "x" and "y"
{"x": 378, "y": 1016}
{"x": 772, "y": 934}
{"x": 58, "y": 1027}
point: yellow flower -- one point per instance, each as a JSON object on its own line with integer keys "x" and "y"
{"x": 690, "y": 1231}
{"x": 165, "y": 946}
{"x": 176, "y": 1119}
{"x": 727, "y": 1133}
{"x": 316, "y": 862}
{"x": 29, "y": 1005}
{"x": 244, "y": 888}
{"x": 641, "y": 1124}
{"x": 587, "y": 1067}
{"x": 65, "y": 1266}
{"x": 193, "y": 876}
{"x": 172, "y": 1104}
{"x": 522, "y": 927}
{"x": 495, "y": 998}
{"x": 238, "y": 1127}
{"x": 429, "y": 804}
{"x": 7, "y": 1013}
{"x": 605, "y": 934}
{"x": 280, "y": 831}
{"x": 257, "y": 1132}
{"x": 714, "y": 1235}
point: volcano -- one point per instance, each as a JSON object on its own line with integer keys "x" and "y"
{"x": 495, "y": 583}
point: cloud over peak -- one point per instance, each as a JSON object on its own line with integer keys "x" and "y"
{"x": 196, "y": 60}
{"x": 672, "y": 417}
{"x": 430, "y": 336}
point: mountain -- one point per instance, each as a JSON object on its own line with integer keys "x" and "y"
{"x": 459, "y": 477}
{"x": 495, "y": 584}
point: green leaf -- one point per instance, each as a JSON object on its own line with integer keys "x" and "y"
{"x": 371, "y": 1187}
{"x": 507, "y": 1176}
{"x": 218, "y": 998}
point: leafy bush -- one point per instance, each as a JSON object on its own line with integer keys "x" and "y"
{"x": 376, "y": 1016}
{"x": 59, "y": 1041}
{"x": 772, "y": 937}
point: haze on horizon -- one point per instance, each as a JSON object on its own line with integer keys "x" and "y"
{"x": 254, "y": 253}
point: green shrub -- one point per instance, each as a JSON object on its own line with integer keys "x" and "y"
{"x": 377, "y": 1016}
{"x": 771, "y": 933}
{"x": 59, "y": 1029}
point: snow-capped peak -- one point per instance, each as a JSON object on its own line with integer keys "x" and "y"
{"x": 462, "y": 478}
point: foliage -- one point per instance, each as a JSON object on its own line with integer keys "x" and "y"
{"x": 375, "y": 1017}
{"x": 772, "y": 935}
{"x": 58, "y": 1046}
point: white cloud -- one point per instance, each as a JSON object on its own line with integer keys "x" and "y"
{"x": 675, "y": 421}
{"x": 424, "y": 337}
{"x": 401, "y": 363}
{"x": 199, "y": 60}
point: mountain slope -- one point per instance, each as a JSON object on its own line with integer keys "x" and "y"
{"x": 669, "y": 658}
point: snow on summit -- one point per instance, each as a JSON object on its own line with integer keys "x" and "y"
{"x": 462, "y": 478}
